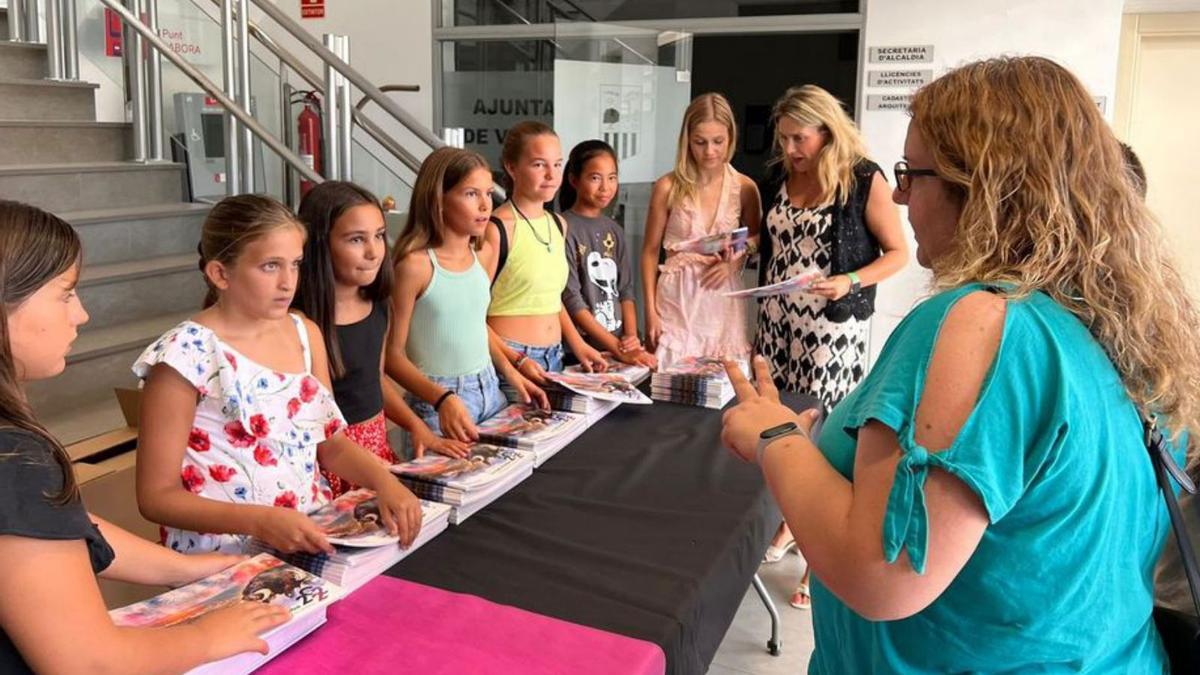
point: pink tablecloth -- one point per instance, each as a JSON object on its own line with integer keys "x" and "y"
{"x": 396, "y": 626}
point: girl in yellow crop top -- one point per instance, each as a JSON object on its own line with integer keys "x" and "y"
{"x": 526, "y": 317}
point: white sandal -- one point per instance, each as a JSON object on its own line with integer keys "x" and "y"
{"x": 801, "y": 591}
{"x": 775, "y": 553}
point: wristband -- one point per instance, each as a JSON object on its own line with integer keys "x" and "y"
{"x": 520, "y": 359}
{"x": 441, "y": 400}
{"x": 769, "y": 436}
{"x": 855, "y": 282}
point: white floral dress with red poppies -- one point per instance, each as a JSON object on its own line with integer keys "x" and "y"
{"x": 255, "y": 435}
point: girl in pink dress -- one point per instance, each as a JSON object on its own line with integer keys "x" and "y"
{"x": 687, "y": 313}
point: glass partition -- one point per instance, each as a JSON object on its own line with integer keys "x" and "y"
{"x": 509, "y": 12}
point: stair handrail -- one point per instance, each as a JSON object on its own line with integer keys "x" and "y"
{"x": 345, "y": 70}
{"x": 213, "y": 91}
{"x": 372, "y": 129}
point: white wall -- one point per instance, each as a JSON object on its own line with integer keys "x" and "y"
{"x": 1082, "y": 35}
{"x": 391, "y": 42}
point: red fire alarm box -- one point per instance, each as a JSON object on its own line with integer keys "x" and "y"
{"x": 312, "y": 9}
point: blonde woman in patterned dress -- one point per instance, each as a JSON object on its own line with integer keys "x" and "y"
{"x": 832, "y": 210}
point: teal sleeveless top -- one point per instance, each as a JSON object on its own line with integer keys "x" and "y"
{"x": 447, "y": 336}
{"x": 1062, "y": 580}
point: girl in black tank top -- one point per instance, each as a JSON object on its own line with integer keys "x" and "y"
{"x": 345, "y": 288}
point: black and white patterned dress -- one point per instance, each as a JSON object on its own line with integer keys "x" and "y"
{"x": 808, "y": 353}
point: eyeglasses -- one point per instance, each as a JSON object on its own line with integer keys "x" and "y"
{"x": 904, "y": 175}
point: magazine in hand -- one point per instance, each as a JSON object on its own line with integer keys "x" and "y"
{"x": 263, "y": 578}
{"x": 353, "y": 520}
{"x": 634, "y": 373}
{"x": 351, "y": 567}
{"x": 801, "y": 283}
{"x": 604, "y": 386}
{"x": 713, "y": 244}
{"x": 526, "y": 427}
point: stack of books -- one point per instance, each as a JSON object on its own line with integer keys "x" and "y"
{"x": 695, "y": 380}
{"x": 541, "y": 432}
{"x": 364, "y": 549}
{"x": 562, "y": 397}
{"x": 466, "y": 484}
{"x": 263, "y": 578}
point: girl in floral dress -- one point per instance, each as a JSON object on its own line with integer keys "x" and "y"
{"x": 237, "y": 410}
{"x": 345, "y": 288}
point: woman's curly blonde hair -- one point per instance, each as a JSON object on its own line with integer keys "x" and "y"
{"x": 1049, "y": 204}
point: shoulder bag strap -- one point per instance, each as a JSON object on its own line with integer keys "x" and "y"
{"x": 1164, "y": 464}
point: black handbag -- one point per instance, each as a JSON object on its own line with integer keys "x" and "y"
{"x": 1180, "y": 631}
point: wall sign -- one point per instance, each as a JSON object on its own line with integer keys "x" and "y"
{"x": 895, "y": 102}
{"x": 899, "y": 78}
{"x": 902, "y": 54}
{"x": 312, "y": 9}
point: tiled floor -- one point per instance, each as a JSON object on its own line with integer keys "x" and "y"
{"x": 744, "y": 649}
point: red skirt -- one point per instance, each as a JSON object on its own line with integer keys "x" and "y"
{"x": 372, "y": 435}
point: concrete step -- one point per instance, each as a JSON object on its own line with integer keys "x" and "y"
{"x": 125, "y": 292}
{"x": 25, "y": 99}
{"x": 22, "y": 60}
{"x": 58, "y": 142}
{"x": 95, "y": 185}
{"x": 133, "y": 233}
{"x": 99, "y": 361}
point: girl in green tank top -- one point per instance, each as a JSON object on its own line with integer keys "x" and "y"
{"x": 439, "y": 349}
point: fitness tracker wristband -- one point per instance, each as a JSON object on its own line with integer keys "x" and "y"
{"x": 769, "y": 436}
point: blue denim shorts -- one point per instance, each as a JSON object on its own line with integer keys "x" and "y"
{"x": 479, "y": 392}
{"x": 549, "y": 358}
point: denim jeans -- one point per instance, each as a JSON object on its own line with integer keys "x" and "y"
{"x": 479, "y": 392}
{"x": 549, "y": 358}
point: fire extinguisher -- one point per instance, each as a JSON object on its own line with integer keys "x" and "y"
{"x": 308, "y": 135}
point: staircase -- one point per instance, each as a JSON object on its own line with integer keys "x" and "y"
{"x": 139, "y": 237}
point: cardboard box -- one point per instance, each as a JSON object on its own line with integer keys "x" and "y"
{"x": 106, "y": 469}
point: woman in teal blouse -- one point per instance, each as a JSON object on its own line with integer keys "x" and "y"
{"x": 984, "y": 502}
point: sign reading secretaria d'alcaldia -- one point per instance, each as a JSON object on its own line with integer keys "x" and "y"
{"x": 902, "y": 54}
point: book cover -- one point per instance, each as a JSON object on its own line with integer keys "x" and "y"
{"x": 713, "y": 244}
{"x": 526, "y": 426}
{"x": 485, "y": 464}
{"x": 635, "y": 374}
{"x": 353, "y": 520}
{"x": 604, "y": 386}
{"x": 263, "y": 578}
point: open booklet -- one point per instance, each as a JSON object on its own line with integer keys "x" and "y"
{"x": 801, "y": 283}
{"x": 712, "y": 244}
{"x": 263, "y": 578}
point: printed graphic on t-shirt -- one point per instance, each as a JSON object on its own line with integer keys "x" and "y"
{"x": 602, "y": 271}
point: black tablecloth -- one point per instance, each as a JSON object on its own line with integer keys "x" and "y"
{"x": 643, "y": 526}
